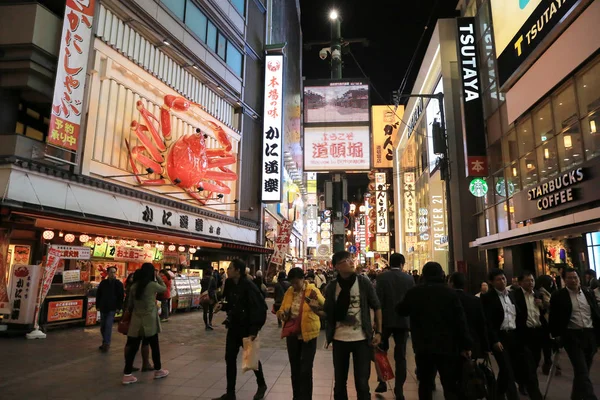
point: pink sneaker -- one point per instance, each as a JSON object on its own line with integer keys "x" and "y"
{"x": 129, "y": 379}
{"x": 162, "y": 373}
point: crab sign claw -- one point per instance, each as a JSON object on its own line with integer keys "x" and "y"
{"x": 153, "y": 150}
{"x": 151, "y": 120}
{"x": 221, "y": 135}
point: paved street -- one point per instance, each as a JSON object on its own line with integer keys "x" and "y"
{"x": 68, "y": 365}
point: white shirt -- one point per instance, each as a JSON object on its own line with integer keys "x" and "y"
{"x": 350, "y": 330}
{"x": 510, "y": 312}
{"x": 581, "y": 316}
{"x": 533, "y": 311}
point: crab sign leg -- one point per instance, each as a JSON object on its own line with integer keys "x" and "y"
{"x": 135, "y": 155}
{"x": 140, "y": 132}
{"x": 220, "y": 161}
{"x": 224, "y": 175}
{"x": 222, "y": 137}
{"x": 148, "y": 117}
{"x": 217, "y": 186}
{"x": 192, "y": 192}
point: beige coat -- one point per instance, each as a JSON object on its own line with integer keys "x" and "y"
{"x": 144, "y": 318}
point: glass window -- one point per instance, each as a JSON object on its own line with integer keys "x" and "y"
{"x": 482, "y": 226}
{"x": 488, "y": 73}
{"x": 529, "y": 170}
{"x": 490, "y": 221}
{"x": 490, "y": 101}
{"x": 196, "y": 20}
{"x": 525, "y": 136}
{"x": 565, "y": 107}
{"x": 489, "y": 197}
{"x": 570, "y": 150}
{"x": 509, "y": 148}
{"x": 211, "y": 36}
{"x": 222, "y": 46}
{"x": 502, "y": 214}
{"x": 513, "y": 181}
{"x": 511, "y": 214}
{"x": 239, "y": 5}
{"x": 588, "y": 89}
{"x": 591, "y": 135}
{"x": 495, "y": 156}
{"x": 480, "y": 203}
{"x": 547, "y": 157}
{"x": 234, "y": 59}
{"x": 542, "y": 124}
{"x": 499, "y": 186}
{"x": 177, "y": 7}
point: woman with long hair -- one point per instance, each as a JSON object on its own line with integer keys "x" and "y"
{"x": 300, "y": 310}
{"x": 209, "y": 284}
{"x": 146, "y": 366}
{"x": 165, "y": 298}
{"x": 144, "y": 323}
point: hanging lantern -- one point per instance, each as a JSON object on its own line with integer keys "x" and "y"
{"x": 133, "y": 243}
{"x": 112, "y": 242}
{"x": 69, "y": 238}
{"x": 122, "y": 242}
{"x": 147, "y": 246}
{"x": 99, "y": 240}
{"x": 48, "y": 235}
{"x": 192, "y": 250}
{"x": 84, "y": 238}
{"x": 181, "y": 249}
{"x": 171, "y": 247}
{"x": 161, "y": 247}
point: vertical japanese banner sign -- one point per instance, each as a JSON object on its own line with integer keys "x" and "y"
{"x": 385, "y": 123}
{"x": 4, "y": 300}
{"x": 381, "y": 203}
{"x": 272, "y": 186}
{"x": 52, "y": 261}
{"x": 282, "y": 244}
{"x": 65, "y": 121}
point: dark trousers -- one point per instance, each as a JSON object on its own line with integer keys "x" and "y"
{"x": 207, "y": 313}
{"x": 165, "y": 304}
{"x": 302, "y": 357}
{"x": 428, "y": 365}
{"x": 362, "y": 354}
{"x": 232, "y": 347}
{"x": 133, "y": 345}
{"x": 526, "y": 359}
{"x": 107, "y": 320}
{"x": 580, "y": 346}
{"x": 400, "y": 337}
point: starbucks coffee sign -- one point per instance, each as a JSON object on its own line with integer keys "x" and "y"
{"x": 556, "y": 192}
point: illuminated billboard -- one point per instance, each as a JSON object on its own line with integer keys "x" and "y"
{"x": 327, "y": 102}
{"x": 346, "y": 148}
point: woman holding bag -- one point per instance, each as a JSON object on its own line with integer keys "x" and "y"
{"x": 300, "y": 311}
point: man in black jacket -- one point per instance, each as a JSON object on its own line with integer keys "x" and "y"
{"x": 439, "y": 331}
{"x": 246, "y": 314}
{"x": 109, "y": 299}
{"x": 575, "y": 323}
{"x": 501, "y": 313}
{"x": 391, "y": 288}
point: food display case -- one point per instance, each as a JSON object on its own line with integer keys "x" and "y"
{"x": 196, "y": 291}
{"x": 183, "y": 290}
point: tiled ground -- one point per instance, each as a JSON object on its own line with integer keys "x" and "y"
{"x": 68, "y": 365}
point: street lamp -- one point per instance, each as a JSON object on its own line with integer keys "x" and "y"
{"x": 333, "y": 15}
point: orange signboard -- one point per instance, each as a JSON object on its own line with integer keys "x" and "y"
{"x": 65, "y": 310}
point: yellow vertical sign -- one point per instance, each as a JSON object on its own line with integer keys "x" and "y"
{"x": 385, "y": 122}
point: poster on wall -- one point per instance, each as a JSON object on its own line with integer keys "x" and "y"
{"x": 67, "y": 104}
{"x": 343, "y": 148}
{"x": 91, "y": 316}
{"x": 64, "y": 310}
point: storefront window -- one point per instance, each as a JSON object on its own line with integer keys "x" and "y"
{"x": 565, "y": 107}
{"x": 513, "y": 181}
{"x": 511, "y": 214}
{"x": 495, "y": 154}
{"x": 542, "y": 124}
{"x": 591, "y": 135}
{"x": 196, "y": 20}
{"x": 509, "y": 148}
{"x": 502, "y": 213}
{"x": 588, "y": 89}
{"x": 529, "y": 170}
{"x": 547, "y": 157}
{"x": 570, "y": 150}
{"x": 177, "y": 7}
{"x": 525, "y": 136}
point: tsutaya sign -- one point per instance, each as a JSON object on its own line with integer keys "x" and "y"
{"x": 272, "y": 187}
{"x": 474, "y": 129}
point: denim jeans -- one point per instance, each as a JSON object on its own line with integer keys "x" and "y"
{"x": 362, "y": 354}
{"x": 165, "y": 304}
{"x": 106, "y": 324}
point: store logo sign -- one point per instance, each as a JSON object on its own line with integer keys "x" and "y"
{"x": 557, "y": 191}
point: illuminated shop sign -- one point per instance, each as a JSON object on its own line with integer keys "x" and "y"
{"x": 381, "y": 203}
{"x": 409, "y": 209}
{"x": 557, "y": 191}
{"x": 385, "y": 123}
{"x": 346, "y": 148}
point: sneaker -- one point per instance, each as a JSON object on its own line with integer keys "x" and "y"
{"x": 260, "y": 393}
{"x": 381, "y": 388}
{"x": 129, "y": 379}
{"x": 161, "y": 373}
{"x": 226, "y": 396}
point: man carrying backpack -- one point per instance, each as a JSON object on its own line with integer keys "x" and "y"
{"x": 246, "y": 314}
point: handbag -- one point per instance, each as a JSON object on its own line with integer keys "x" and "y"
{"x": 293, "y": 327}
{"x": 205, "y": 297}
{"x": 474, "y": 381}
{"x": 123, "y": 326}
{"x": 382, "y": 365}
{"x": 486, "y": 370}
{"x": 250, "y": 354}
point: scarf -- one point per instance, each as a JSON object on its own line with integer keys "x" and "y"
{"x": 343, "y": 301}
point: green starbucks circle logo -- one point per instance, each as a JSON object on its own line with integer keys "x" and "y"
{"x": 478, "y": 187}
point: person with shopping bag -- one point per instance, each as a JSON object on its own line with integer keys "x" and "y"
{"x": 300, "y": 311}
{"x": 246, "y": 314}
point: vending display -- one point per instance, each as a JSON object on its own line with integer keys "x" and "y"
{"x": 183, "y": 290}
{"x": 196, "y": 291}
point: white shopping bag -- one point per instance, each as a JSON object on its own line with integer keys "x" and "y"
{"x": 250, "y": 356}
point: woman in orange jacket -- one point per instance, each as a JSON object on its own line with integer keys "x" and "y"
{"x": 300, "y": 310}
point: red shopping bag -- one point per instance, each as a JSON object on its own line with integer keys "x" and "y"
{"x": 382, "y": 365}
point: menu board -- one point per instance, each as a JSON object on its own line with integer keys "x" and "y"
{"x": 64, "y": 310}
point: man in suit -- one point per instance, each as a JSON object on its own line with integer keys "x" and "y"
{"x": 500, "y": 311}
{"x": 532, "y": 332}
{"x": 439, "y": 331}
{"x": 575, "y": 323}
{"x": 391, "y": 287}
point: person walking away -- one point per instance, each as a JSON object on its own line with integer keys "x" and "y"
{"x": 589, "y": 280}
{"x": 439, "y": 331}
{"x": 483, "y": 289}
{"x": 165, "y": 298}
{"x": 208, "y": 284}
{"x": 246, "y": 314}
{"x": 532, "y": 332}
{"x": 575, "y": 324}
{"x": 545, "y": 286}
{"x": 146, "y": 366}
{"x": 260, "y": 283}
{"x": 302, "y": 300}
{"x": 391, "y": 288}
{"x": 416, "y": 276}
{"x": 348, "y": 303}
{"x": 281, "y": 287}
{"x": 109, "y": 299}
{"x": 144, "y": 323}
{"x": 501, "y": 313}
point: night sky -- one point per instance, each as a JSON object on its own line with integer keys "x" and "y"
{"x": 392, "y": 27}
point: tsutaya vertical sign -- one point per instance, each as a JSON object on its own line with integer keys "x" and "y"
{"x": 65, "y": 121}
{"x": 409, "y": 210}
{"x": 381, "y": 203}
{"x": 474, "y": 130}
{"x": 272, "y": 187}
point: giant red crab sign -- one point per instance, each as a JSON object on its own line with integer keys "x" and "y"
{"x": 184, "y": 162}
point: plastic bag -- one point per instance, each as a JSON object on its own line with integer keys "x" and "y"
{"x": 250, "y": 356}
{"x": 382, "y": 366}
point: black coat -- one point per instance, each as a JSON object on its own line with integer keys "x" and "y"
{"x": 522, "y": 311}
{"x": 476, "y": 322}
{"x": 110, "y": 295}
{"x": 494, "y": 313}
{"x": 246, "y": 308}
{"x": 391, "y": 288}
{"x": 561, "y": 309}
{"x": 437, "y": 320}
